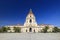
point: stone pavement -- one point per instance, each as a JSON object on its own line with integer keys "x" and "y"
{"x": 29, "y": 36}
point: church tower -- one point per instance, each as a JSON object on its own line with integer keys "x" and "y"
{"x": 30, "y": 20}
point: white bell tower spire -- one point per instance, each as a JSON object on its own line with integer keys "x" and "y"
{"x": 30, "y": 19}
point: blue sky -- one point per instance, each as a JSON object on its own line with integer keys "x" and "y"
{"x": 15, "y": 11}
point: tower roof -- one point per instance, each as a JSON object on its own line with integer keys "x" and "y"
{"x": 30, "y": 12}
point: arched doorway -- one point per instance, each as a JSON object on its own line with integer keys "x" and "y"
{"x": 30, "y": 29}
{"x": 34, "y": 30}
{"x": 26, "y": 30}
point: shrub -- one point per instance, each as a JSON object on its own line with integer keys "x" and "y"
{"x": 17, "y": 29}
{"x": 45, "y": 29}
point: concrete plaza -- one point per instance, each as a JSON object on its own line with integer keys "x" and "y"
{"x": 29, "y": 36}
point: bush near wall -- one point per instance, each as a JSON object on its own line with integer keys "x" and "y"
{"x": 56, "y": 29}
{"x": 17, "y": 29}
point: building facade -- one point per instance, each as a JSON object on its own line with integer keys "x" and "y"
{"x": 31, "y": 25}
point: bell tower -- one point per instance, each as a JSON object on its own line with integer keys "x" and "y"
{"x": 30, "y": 20}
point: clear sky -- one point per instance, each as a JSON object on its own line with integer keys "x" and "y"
{"x": 15, "y": 11}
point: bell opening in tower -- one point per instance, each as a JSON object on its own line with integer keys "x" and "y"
{"x": 30, "y": 21}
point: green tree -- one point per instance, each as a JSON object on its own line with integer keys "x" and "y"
{"x": 55, "y": 29}
{"x": 45, "y": 29}
{"x": 1, "y": 30}
{"x": 58, "y": 30}
{"x": 17, "y": 29}
{"x": 4, "y": 29}
{"x": 8, "y": 28}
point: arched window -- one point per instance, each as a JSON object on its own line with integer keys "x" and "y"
{"x": 30, "y": 21}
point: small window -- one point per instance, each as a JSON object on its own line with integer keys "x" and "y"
{"x": 30, "y": 16}
{"x": 26, "y": 30}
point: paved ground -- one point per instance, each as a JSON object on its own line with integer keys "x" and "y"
{"x": 29, "y": 36}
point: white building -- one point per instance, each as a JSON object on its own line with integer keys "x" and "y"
{"x": 31, "y": 25}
